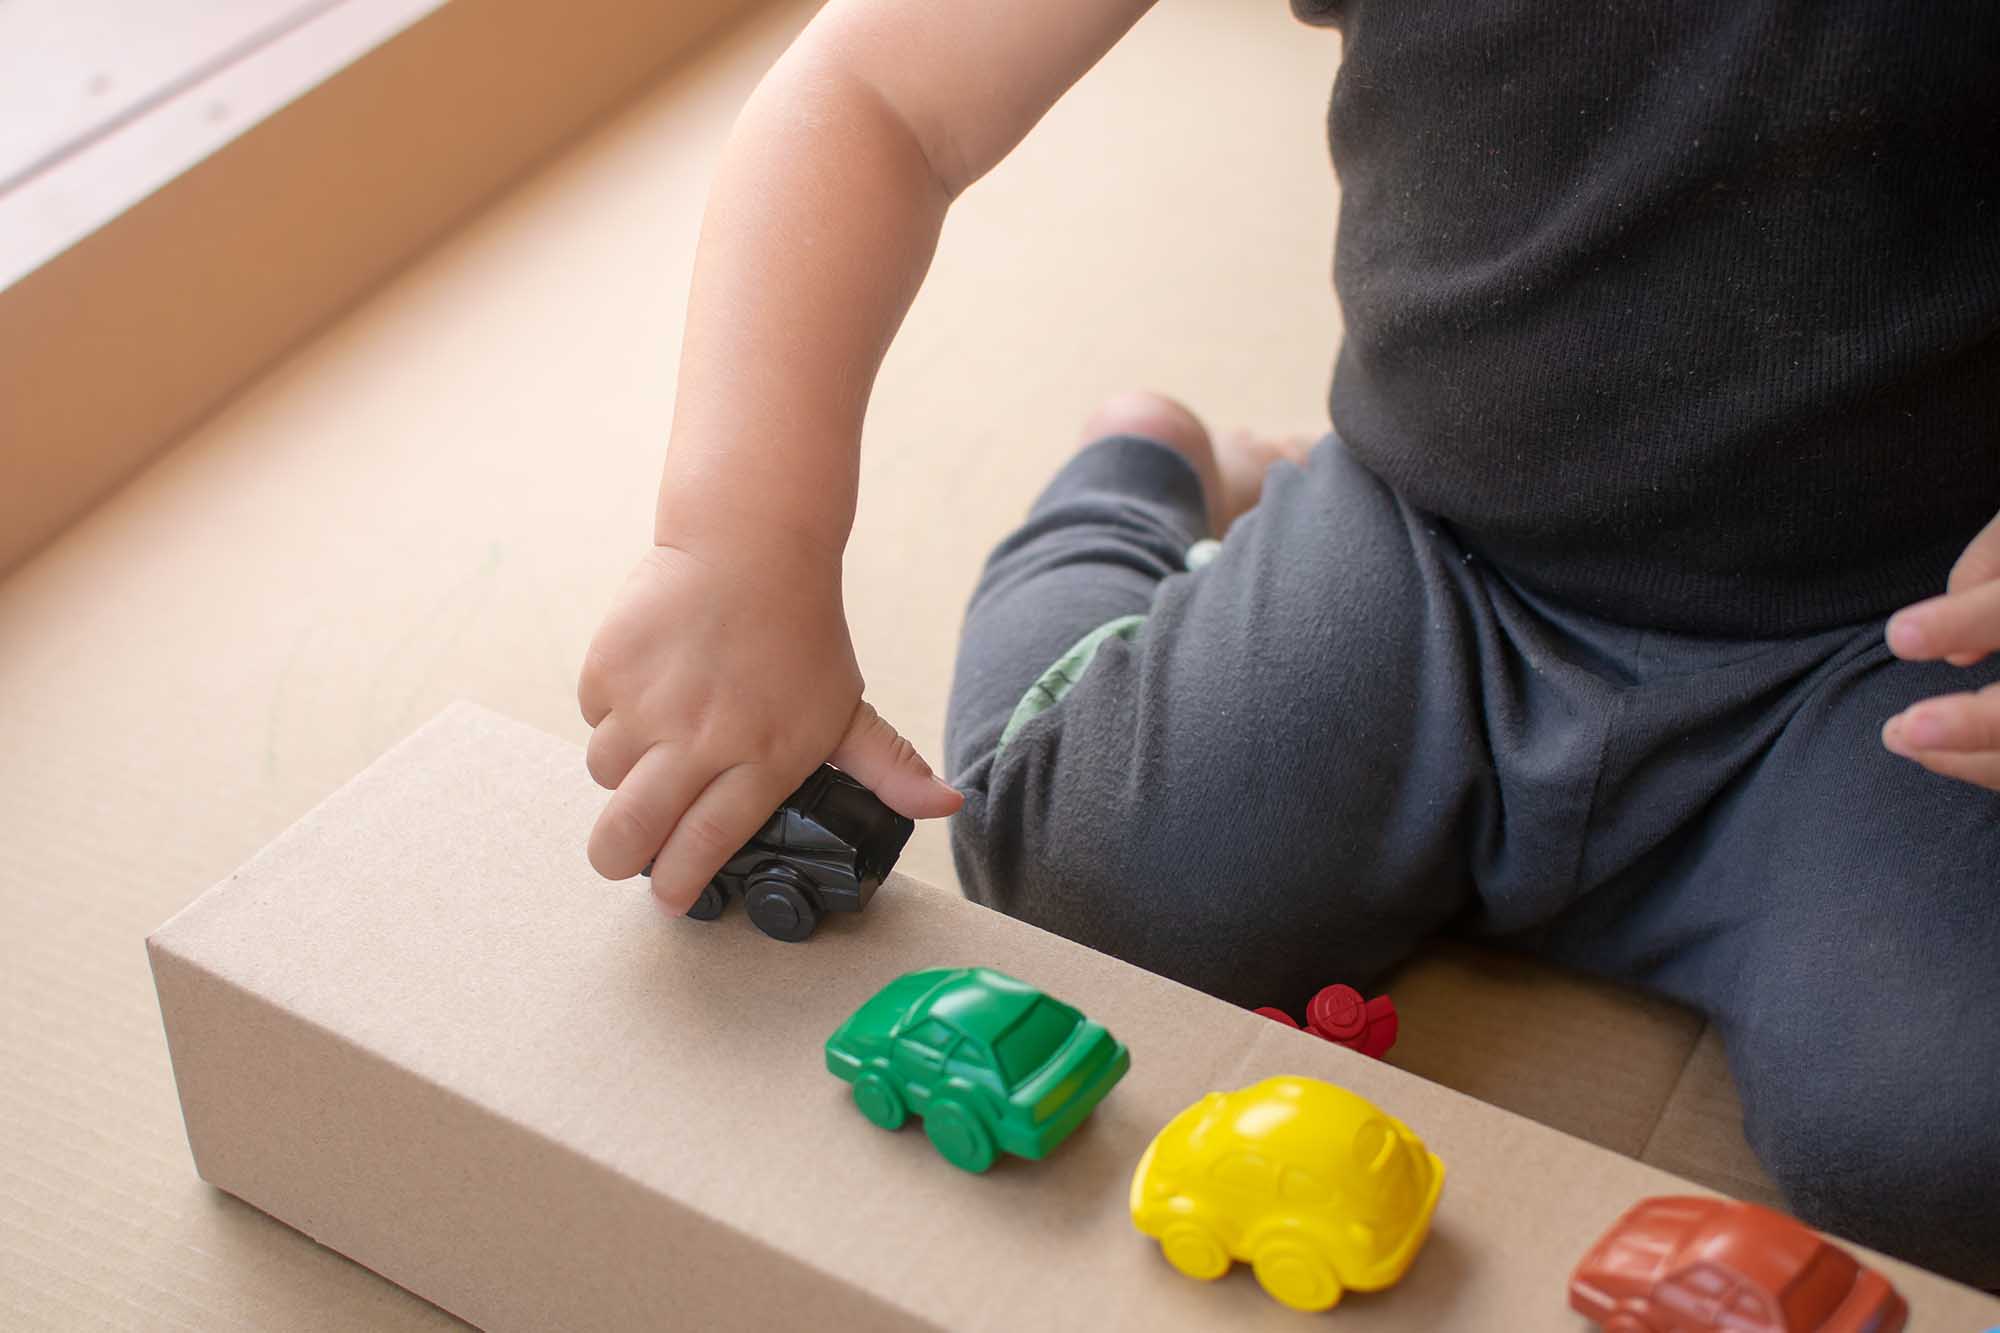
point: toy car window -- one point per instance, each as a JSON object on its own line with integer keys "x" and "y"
{"x": 1035, "y": 1036}
{"x": 1694, "y": 1291}
{"x": 1676, "y": 1296}
{"x": 1246, "y": 1171}
{"x": 851, "y": 813}
{"x": 1304, "y": 1187}
{"x": 803, "y": 835}
{"x": 1750, "y": 1312}
{"x": 1371, "y": 1145}
{"x": 933, "y": 1036}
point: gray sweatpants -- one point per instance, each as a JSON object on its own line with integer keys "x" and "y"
{"x": 1346, "y": 733}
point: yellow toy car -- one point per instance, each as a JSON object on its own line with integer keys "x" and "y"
{"x": 1311, "y": 1185}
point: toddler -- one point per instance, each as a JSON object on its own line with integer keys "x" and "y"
{"x": 1636, "y": 612}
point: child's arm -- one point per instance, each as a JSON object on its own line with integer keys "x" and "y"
{"x": 724, "y": 673}
{"x": 1957, "y": 735}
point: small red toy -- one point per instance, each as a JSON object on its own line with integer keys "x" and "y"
{"x": 1338, "y": 1014}
{"x": 1683, "y": 1265}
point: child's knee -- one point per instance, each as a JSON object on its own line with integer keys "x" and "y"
{"x": 978, "y": 856}
{"x": 1071, "y": 853}
{"x": 1061, "y": 869}
{"x": 1904, "y": 1161}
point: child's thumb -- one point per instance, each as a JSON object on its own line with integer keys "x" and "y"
{"x": 875, "y": 754}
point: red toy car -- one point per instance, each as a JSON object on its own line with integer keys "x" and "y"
{"x": 1683, "y": 1265}
{"x": 1339, "y": 1015}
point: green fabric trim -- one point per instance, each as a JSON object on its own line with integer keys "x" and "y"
{"x": 1050, "y": 687}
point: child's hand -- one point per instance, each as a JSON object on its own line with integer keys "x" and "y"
{"x": 1957, "y": 735}
{"x": 724, "y": 674}
{"x": 719, "y": 681}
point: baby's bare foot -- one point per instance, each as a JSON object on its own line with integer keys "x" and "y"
{"x": 1231, "y": 469}
{"x": 1242, "y": 459}
{"x": 1158, "y": 418}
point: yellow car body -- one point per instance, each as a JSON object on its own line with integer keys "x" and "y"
{"x": 1314, "y": 1187}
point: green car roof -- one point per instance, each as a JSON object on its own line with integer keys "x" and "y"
{"x": 975, "y": 1001}
{"x": 887, "y": 1013}
{"x": 983, "y": 1004}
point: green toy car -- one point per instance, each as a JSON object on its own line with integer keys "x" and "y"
{"x": 990, "y": 1063}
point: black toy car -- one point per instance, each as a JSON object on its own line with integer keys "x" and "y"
{"x": 827, "y": 849}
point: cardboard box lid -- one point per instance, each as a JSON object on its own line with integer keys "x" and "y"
{"x": 437, "y": 916}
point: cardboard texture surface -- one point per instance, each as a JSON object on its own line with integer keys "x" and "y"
{"x": 1581, "y": 1056}
{"x": 1700, "y": 1131}
{"x": 418, "y": 1028}
{"x": 434, "y": 499}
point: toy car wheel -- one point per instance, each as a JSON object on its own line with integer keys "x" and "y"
{"x": 958, "y": 1136}
{"x": 879, "y": 1101}
{"x": 709, "y": 906}
{"x": 1193, "y": 1249}
{"x": 1296, "y": 1275}
{"x": 780, "y": 906}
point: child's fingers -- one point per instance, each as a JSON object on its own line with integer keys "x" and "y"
{"x": 1957, "y": 735}
{"x": 1960, "y": 627}
{"x": 1297, "y": 448}
{"x": 593, "y": 688}
{"x": 613, "y": 749}
{"x": 875, "y": 754}
{"x": 1981, "y": 770}
{"x": 726, "y": 814}
{"x": 1969, "y": 721}
{"x": 643, "y": 811}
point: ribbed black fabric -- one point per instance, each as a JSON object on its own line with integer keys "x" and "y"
{"x": 1687, "y": 313}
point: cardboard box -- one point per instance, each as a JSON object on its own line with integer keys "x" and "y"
{"x": 419, "y": 1029}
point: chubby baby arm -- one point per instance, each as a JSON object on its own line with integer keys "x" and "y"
{"x": 724, "y": 672}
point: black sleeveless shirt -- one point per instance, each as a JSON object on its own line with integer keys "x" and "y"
{"x": 1686, "y": 312}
